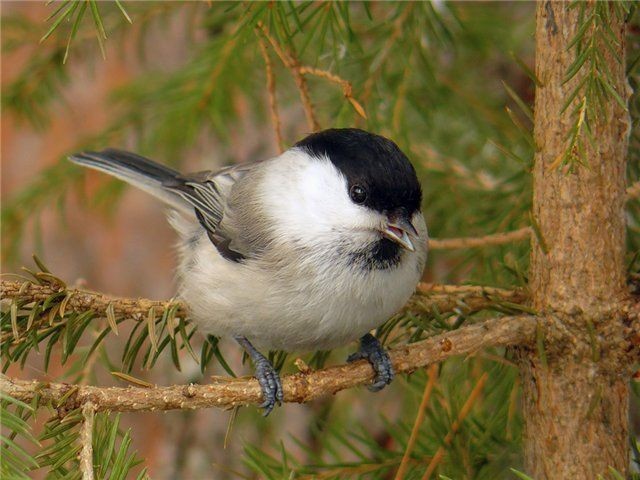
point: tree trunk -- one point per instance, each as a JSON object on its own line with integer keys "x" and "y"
{"x": 575, "y": 387}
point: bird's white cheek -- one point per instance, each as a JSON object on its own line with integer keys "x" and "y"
{"x": 313, "y": 203}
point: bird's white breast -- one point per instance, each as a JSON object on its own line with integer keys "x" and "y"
{"x": 303, "y": 292}
{"x": 320, "y": 308}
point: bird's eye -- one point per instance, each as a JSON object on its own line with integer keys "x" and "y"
{"x": 358, "y": 194}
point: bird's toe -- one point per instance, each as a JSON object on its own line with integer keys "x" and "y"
{"x": 377, "y": 356}
{"x": 271, "y": 386}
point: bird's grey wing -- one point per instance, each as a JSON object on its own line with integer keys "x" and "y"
{"x": 208, "y": 192}
{"x": 203, "y": 194}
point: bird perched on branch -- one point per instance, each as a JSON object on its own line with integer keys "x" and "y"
{"x": 308, "y": 250}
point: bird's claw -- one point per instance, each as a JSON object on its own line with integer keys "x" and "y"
{"x": 270, "y": 384}
{"x": 377, "y": 356}
{"x": 266, "y": 375}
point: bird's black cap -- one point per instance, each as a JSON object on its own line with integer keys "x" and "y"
{"x": 372, "y": 162}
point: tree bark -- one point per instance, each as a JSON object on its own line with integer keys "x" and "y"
{"x": 576, "y": 387}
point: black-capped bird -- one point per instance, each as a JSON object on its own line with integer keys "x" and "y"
{"x": 308, "y": 250}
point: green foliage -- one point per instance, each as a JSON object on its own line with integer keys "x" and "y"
{"x": 61, "y": 445}
{"x": 61, "y": 448}
{"x": 111, "y": 456}
{"x": 48, "y": 325}
{"x": 451, "y": 83}
{"x": 15, "y": 461}
{"x": 73, "y": 12}
{"x": 520, "y": 475}
{"x": 396, "y": 73}
{"x": 483, "y": 448}
{"x": 593, "y": 41}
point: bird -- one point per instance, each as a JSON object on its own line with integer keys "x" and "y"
{"x": 308, "y": 250}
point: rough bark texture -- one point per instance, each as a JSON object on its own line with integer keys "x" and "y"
{"x": 575, "y": 395}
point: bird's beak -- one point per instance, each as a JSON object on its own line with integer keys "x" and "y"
{"x": 398, "y": 230}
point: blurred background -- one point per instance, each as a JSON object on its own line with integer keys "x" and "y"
{"x": 186, "y": 84}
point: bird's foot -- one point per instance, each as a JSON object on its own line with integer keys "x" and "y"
{"x": 377, "y": 356}
{"x": 266, "y": 375}
{"x": 270, "y": 383}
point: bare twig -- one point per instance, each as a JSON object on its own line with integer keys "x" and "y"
{"x": 291, "y": 62}
{"x": 299, "y": 388}
{"x": 633, "y": 191}
{"x": 464, "y": 411}
{"x": 86, "y": 440}
{"x": 347, "y": 88}
{"x": 469, "y": 242}
{"x": 298, "y": 71}
{"x": 271, "y": 89}
{"x": 422, "y": 410}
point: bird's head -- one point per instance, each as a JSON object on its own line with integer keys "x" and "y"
{"x": 362, "y": 183}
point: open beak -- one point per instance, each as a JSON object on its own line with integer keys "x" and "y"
{"x": 398, "y": 230}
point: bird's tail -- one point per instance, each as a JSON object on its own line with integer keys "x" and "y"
{"x": 139, "y": 171}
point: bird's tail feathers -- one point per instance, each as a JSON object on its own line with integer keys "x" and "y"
{"x": 139, "y": 171}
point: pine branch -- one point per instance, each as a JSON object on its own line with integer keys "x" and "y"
{"x": 298, "y": 388}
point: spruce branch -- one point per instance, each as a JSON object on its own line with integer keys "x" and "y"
{"x": 299, "y": 388}
{"x": 401, "y": 98}
{"x": 79, "y": 300}
{"x": 352, "y": 471}
{"x": 61, "y": 300}
{"x": 299, "y": 71}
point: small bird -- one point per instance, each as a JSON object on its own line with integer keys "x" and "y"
{"x": 308, "y": 250}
